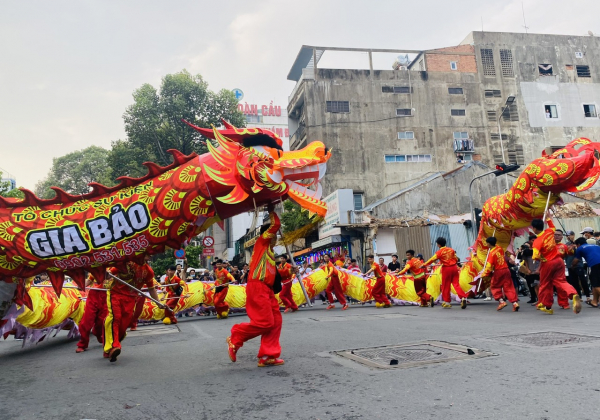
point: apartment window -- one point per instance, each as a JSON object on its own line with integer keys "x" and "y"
{"x": 358, "y": 201}
{"x": 403, "y": 112}
{"x": 407, "y": 158}
{"x": 487, "y": 60}
{"x": 583, "y": 71}
{"x": 460, "y": 135}
{"x": 496, "y": 136}
{"x": 506, "y": 62}
{"x": 493, "y": 93}
{"x": 492, "y": 115}
{"x": 396, "y": 89}
{"x": 511, "y": 113}
{"x": 458, "y": 112}
{"x": 406, "y": 135}
{"x": 455, "y": 91}
{"x": 337, "y": 107}
{"x": 545, "y": 69}
{"x": 590, "y": 111}
{"x": 551, "y": 111}
{"x": 453, "y": 65}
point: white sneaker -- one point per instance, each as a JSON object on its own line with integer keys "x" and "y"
{"x": 488, "y": 298}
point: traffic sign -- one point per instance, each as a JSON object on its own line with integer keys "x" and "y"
{"x": 180, "y": 253}
{"x": 239, "y": 95}
{"x": 179, "y": 262}
{"x": 208, "y": 241}
{"x": 208, "y": 252}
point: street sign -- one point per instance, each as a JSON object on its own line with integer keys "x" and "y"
{"x": 179, "y": 262}
{"x": 208, "y": 252}
{"x": 208, "y": 241}
{"x": 179, "y": 253}
{"x": 239, "y": 95}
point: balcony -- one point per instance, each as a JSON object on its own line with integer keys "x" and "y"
{"x": 463, "y": 145}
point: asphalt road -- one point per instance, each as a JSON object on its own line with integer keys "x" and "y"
{"x": 184, "y": 372}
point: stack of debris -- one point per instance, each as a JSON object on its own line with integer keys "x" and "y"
{"x": 574, "y": 210}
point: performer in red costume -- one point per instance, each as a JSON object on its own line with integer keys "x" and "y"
{"x": 563, "y": 252}
{"x": 381, "y": 300}
{"x": 94, "y": 313}
{"x": 222, "y": 280}
{"x": 174, "y": 293}
{"x": 286, "y": 272}
{"x": 415, "y": 265}
{"x": 139, "y": 307}
{"x": 261, "y": 305}
{"x": 501, "y": 279}
{"x": 120, "y": 302}
{"x": 552, "y": 268}
{"x": 448, "y": 258}
{"x": 334, "y": 284}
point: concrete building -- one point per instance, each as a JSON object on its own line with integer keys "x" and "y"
{"x": 495, "y": 97}
{"x": 8, "y": 180}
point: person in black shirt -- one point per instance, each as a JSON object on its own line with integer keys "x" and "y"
{"x": 394, "y": 266}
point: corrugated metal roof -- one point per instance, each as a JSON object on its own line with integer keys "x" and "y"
{"x": 416, "y": 238}
{"x": 460, "y": 240}
{"x": 371, "y": 206}
{"x": 578, "y": 224}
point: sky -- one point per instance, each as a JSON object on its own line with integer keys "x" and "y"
{"x": 68, "y": 68}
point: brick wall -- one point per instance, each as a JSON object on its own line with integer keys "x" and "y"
{"x": 441, "y": 62}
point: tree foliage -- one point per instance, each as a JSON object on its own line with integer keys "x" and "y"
{"x": 6, "y": 191}
{"x": 74, "y": 171}
{"x": 160, "y": 262}
{"x": 153, "y": 122}
{"x": 293, "y": 216}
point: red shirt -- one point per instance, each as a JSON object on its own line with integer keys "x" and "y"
{"x": 495, "y": 261}
{"x": 285, "y": 271}
{"x": 563, "y": 250}
{"x": 136, "y": 275}
{"x": 172, "y": 290}
{"x": 383, "y": 268}
{"x": 223, "y": 276}
{"x": 262, "y": 262}
{"x": 544, "y": 247}
{"x": 415, "y": 265}
{"x": 330, "y": 270}
{"x": 446, "y": 255}
{"x": 377, "y": 271}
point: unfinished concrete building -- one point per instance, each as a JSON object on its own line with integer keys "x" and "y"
{"x": 496, "y": 97}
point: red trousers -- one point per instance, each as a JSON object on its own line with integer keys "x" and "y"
{"x": 93, "y": 317}
{"x": 171, "y": 304}
{"x": 421, "y": 289}
{"x": 552, "y": 274}
{"x": 502, "y": 280}
{"x": 335, "y": 286}
{"x": 379, "y": 291}
{"x": 139, "y": 307}
{"x": 450, "y": 277}
{"x": 119, "y": 312}
{"x": 286, "y": 295}
{"x": 265, "y": 320}
{"x": 219, "y": 299}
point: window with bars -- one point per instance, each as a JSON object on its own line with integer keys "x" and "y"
{"x": 487, "y": 61}
{"x": 455, "y": 91}
{"x": 403, "y": 112}
{"x": 458, "y": 112}
{"x": 590, "y": 111}
{"x": 493, "y": 93}
{"x": 492, "y": 115}
{"x": 506, "y": 62}
{"x": 396, "y": 89}
{"x": 496, "y": 136}
{"x": 510, "y": 113}
{"x": 406, "y": 135}
{"x": 583, "y": 71}
{"x": 407, "y": 158}
{"x": 337, "y": 107}
{"x": 358, "y": 201}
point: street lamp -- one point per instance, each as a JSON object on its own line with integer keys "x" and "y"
{"x": 509, "y": 101}
{"x": 501, "y": 169}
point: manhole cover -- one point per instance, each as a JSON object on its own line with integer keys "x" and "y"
{"x": 546, "y": 339}
{"x": 411, "y": 355}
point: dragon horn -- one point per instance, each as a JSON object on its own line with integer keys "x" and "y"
{"x": 204, "y": 131}
{"x": 227, "y": 125}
